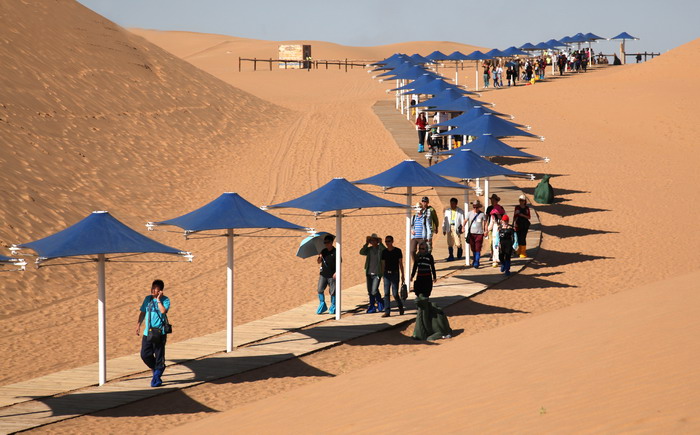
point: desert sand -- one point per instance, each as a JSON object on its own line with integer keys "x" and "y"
{"x": 98, "y": 118}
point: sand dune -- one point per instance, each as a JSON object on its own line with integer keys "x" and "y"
{"x": 127, "y": 126}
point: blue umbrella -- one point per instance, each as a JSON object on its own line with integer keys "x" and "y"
{"x": 457, "y": 56}
{"x": 513, "y": 51}
{"x": 489, "y": 124}
{"x": 312, "y": 245}
{"x": 420, "y": 81}
{"x": 12, "y": 261}
{"x": 409, "y": 174}
{"x": 624, "y": 35}
{"x": 495, "y": 53}
{"x": 592, "y": 36}
{"x": 436, "y": 87}
{"x": 96, "y": 237}
{"x": 467, "y": 117}
{"x": 227, "y": 212}
{"x": 478, "y": 55}
{"x": 443, "y": 97}
{"x": 489, "y": 146}
{"x": 419, "y": 59}
{"x": 393, "y": 58}
{"x": 337, "y": 195}
{"x": 436, "y": 55}
{"x": 466, "y": 164}
{"x": 528, "y": 46}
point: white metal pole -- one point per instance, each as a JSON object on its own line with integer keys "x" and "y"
{"x": 338, "y": 262}
{"x": 407, "y": 254}
{"x": 476, "y": 74}
{"x": 101, "y": 322}
{"x": 456, "y": 72}
{"x": 229, "y": 290}
{"x": 466, "y": 218}
{"x": 486, "y": 192}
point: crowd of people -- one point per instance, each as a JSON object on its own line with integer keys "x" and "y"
{"x": 385, "y": 262}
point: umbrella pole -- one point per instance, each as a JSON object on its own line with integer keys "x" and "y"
{"x": 338, "y": 263}
{"x": 466, "y": 216}
{"x": 101, "y": 326}
{"x": 456, "y": 73}
{"x": 486, "y": 192}
{"x": 229, "y": 290}
{"x": 407, "y": 256}
{"x": 476, "y": 74}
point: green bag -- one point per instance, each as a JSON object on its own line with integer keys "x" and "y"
{"x": 544, "y": 194}
{"x": 431, "y": 321}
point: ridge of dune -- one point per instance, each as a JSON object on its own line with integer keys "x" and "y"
{"x": 621, "y": 363}
{"x": 190, "y": 45}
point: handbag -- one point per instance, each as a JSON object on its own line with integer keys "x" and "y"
{"x": 155, "y": 335}
{"x": 403, "y": 292}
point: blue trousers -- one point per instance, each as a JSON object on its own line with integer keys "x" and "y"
{"x": 153, "y": 354}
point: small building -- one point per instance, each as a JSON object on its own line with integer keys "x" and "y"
{"x": 296, "y": 52}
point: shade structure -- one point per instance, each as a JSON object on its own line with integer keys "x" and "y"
{"x": 623, "y": 35}
{"x": 527, "y": 46}
{"x": 542, "y": 46}
{"x": 457, "y": 56}
{"x": 19, "y": 263}
{"x": 420, "y": 81}
{"x": 495, "y": 53}
{"x": 579, "y": 37}
{"x": 555, "y": 44}
{"x": 443, "y": 97}
{"x": 566, "y": 40}
{"x": 95, "y": 237}
{"x": 467, "y": 117}
{"x": 513, "y": 51}
{"x": 409, "y": 174}
{"x": 489, "y": 146}
{"x": 337, "y": 195}
{"x": 490, "y": 124}
{"x": 478, "y": 55}
{"x": 410, "y": 72}
{"x": 436, "y": 87}
{"x": 228, "y": 212}
{"x": 592, "y": 37}
{"x": 436, "y": 55}
{"x": 419, "y": 59}
{"x": 393, "y": 58}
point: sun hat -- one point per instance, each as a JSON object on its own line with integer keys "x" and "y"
{"x": 495, "y": 197}
{"x": 522, "y": 198}
{"x": 375, "y": 236}
{"x": 476, "y": 203}
{"x": 505, "y": 218}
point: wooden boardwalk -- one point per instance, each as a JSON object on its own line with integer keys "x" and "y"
{"x": 71, "y": 393}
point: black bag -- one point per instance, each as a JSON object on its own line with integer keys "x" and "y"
{"x": 155, "y": 335}
{"x": 167, "y": 326}
{"x": 403, "y": 292}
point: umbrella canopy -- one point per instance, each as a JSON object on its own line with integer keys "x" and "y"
{"x": 623, "y": 35}
{"x": 312, "y": 245}
{"x": 410, "y": 72}
{"x": 489, "y": 124}
{"x": 527, "y": 46}
{"x": 467, "y": 117}
{"x": 478, "y": 55}
{"x": 436, "y": 87}
{"x": 513, "y": 51}
{"x": 579, "y": 37}
{"x": 409, "y": 174}
{"x": 457, "y": 56}
{"x": 555, "y": 44}
{"x": 393, "y": 58}
{"x": 495, "y": 53}
{"x": 466, "y": 164}
{"x": 489, "y": 146}
{"x": 99, "y": 234}
{"x": 419, "y": 59}
{"x": 12, "y": 261}
{"x": 337, "y": 195}
{"x": 436, "y": 55}
{"x": 420, "y": 81}
{"x": 592, "y": 37}
{"x": 228, "y": 212}
{"x": 443, "y": 97}
{"x": 542, "y": 46}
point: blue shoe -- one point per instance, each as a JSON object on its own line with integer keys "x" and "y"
{"x": 331, "y": 310}
{"x": 380, "y": 304}
{"x": 321, "y": 304}
{"x": 157, "y": 381}
{"x": 371, "y": 308}
{"x": 477, "y": 257}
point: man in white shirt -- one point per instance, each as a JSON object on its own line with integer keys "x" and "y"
{"x": 453, "y": 227}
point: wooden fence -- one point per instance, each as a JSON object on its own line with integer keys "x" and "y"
{"x": 305, "y": 64}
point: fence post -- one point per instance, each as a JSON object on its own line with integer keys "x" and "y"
{"x": 270, "y": 64}
{"x": 255, "y": 64}
{"x": 346, "y": 64}
{"x": 239, "y": 63}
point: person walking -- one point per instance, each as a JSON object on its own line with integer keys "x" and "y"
{"x": 372, "y": 250}
{"x": 424, "y": 272}
{"x": 421, "y": 124}
{"x": 420, "y": 229}
{"x": 326, "y": 276}
{"x": 506, "y": 240}
{"x": 392, "y": 265}
{"x": 493, "y": 229}
{"x": 485, "y": 68}
{"x": 154, "y": 309}
{"x": 521, "y": 224}
{"x": 452, "y": 227}
{"x": 476, "y": 227}
{"x": 433, "y": 220}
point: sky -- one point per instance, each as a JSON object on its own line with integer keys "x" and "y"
{"x": 660, "y": 25}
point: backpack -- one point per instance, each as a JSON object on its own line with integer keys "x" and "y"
{"x": 544, "y": 194}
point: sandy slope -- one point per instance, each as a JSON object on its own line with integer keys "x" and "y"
{"x": 619, "y": 364}
{"x": 98, "y": 119}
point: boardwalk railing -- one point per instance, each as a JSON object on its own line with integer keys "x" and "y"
{"x": 643, "y": 55}
{"x": 305, "y": 64}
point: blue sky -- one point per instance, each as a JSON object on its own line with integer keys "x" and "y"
{"x": 660, "y": 25}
